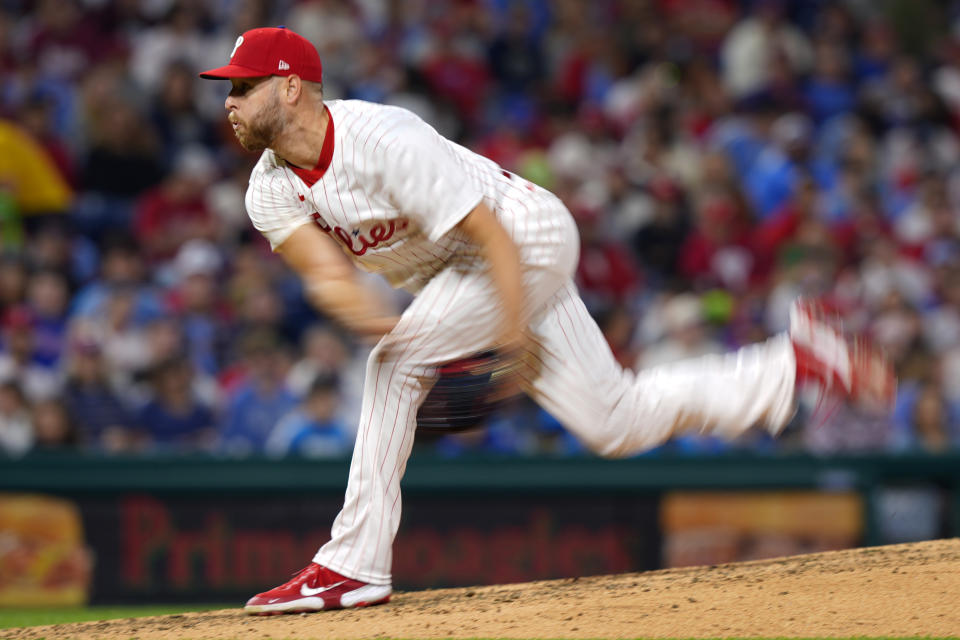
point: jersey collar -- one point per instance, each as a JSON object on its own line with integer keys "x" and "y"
{"x": 312, "y": 176}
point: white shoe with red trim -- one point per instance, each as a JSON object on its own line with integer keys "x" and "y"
{"x": 316, "y": 588}
{"x": 850, "y": 369}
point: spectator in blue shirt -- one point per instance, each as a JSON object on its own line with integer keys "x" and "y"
{"x": 103, "y": 420}
{"x": 771, "y": 179}
{"x": 312, "y": 429}
{"x": 121, "y": 266}
{"x": 829, "y": 91}
{"x": 48, "y": 295}
{"x": 260, "y": 400}
{"x": 175, "y": 418}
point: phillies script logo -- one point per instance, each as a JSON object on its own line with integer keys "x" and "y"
{"x": 357, "y": 242}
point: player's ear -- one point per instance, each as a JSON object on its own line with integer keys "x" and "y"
{"x": 292, "y": 88}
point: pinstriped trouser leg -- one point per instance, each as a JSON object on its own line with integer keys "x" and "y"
{"x": 621, "y": 413}
{"x": 456, "y": 315}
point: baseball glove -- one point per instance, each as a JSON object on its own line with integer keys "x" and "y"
{"x": 466, "y": 393}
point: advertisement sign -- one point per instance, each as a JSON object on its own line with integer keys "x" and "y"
{"x": 44, "y": 560}
{"x": 193, "y": 547}
{"x": 714, "y": 527}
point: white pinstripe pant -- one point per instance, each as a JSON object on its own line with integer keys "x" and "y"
{"x": 613, "y": 411}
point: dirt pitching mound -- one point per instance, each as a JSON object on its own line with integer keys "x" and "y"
{"x": 902, "y": 590}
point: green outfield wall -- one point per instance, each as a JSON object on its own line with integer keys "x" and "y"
{"x": 163, "y": 528}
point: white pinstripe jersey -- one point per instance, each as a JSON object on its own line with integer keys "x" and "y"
{"x": 393, "y": 193}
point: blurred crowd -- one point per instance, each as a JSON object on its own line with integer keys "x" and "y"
{"x": 721, "y": 157}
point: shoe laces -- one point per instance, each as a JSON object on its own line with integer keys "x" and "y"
{"x": 296, "y": 575}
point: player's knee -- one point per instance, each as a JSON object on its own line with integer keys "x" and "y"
{"x": 614, "y": 449}
{"x": 613, "y": 435}
{"x": 605, "y": 442}
{"x": 615, "y": 440}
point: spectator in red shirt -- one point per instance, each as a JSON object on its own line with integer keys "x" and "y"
{"x": 176, "y": 211}
{"x": 798, "y": 222}
{"x": 65, "y": 42}
{"x": 457, "y": 75}
{"x": 718, "y": 251}
{"x": 606, "y": 273}
{"x": 35, "y": 116}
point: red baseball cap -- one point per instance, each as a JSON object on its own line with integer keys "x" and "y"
{"x": 270, "y": 51}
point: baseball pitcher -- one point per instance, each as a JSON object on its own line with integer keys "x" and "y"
{"x": 490, "y": 257}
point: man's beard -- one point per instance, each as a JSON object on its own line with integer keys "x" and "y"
{"x": 260, "y": 133}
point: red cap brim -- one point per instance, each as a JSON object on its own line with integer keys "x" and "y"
{"x": 232, "y": 71}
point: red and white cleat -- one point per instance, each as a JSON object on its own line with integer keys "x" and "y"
{"x": 851, "y": 369}
{"x": 316, "y": 588}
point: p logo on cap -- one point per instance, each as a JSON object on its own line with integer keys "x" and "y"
{"x": 235, "y": 47}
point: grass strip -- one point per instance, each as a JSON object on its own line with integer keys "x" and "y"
{"x": 42, "y": 616}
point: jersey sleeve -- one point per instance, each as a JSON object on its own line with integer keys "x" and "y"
{"x": 273, "y": 208}
{"x": 424, "y": 180}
